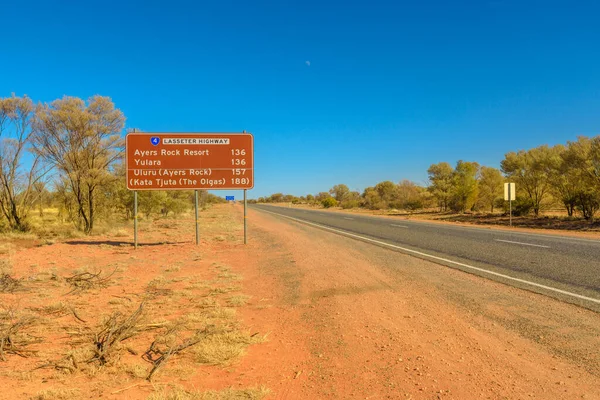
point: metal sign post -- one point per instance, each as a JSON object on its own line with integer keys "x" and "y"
{"x": 510, "y": 212}
{"x": 135, "y": 220}
{"x": 197, "y": 221}
{"x": 245, "y": 219}
{"x": 509, "y": 195}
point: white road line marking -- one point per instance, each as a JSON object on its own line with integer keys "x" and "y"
{"x": 348, "y": 218}
{"x": 521, "y": 243}
{"x": 399, "y": 226}
{"x": 366, "y": 239}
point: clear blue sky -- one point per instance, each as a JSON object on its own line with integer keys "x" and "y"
{"x": 334, "y": 91}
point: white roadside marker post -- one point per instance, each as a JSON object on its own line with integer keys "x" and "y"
{"x": 509, "y": 195}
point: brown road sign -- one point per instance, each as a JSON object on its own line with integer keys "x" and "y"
{"x": 184, "y": 161}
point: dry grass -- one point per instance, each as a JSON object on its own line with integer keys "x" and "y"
{"x": 120, "y": 233}
{"x": 226, "y": 394}
{"x": 57, "y": 394}
{"x": 6, "y": 248}
{"x": 173, "y": 268}
{"x": 52, "y": 225}
{"x": 137, "y": 371}
{"x": 57, "y": 309}
{"x": 206, "y": 302}
{"x": 238, "y": 300}
{"x": 211, "y": 316}
{"x": 223, "y": 348}
{"x": 14, "y": 235}
{"x": 157, "y": 287}
{"x": 223, "y": 290}
{"x": 229, "y": 276}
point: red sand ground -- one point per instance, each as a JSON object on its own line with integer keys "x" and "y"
{"x": 344, "y": 320}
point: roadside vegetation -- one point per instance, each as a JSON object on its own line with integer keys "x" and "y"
{"x": 62, "y": 170}
{"x": 564, "y": 179}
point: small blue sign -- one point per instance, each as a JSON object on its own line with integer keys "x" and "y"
{"x": 155, "y": 140}
{"x": 229, "y": 198}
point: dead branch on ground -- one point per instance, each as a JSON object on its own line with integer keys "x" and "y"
{"x": 158, "y": 356}
{"x": 67, "y": 363}
{"x": 112, "y": 332}
{"x": 13, "y": 340}
{"x": 8, "y": 284}
{"x": 87, "y": 280}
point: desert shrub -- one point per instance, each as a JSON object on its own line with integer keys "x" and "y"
{"x": 521, "y": 206}
{"x": 347, "y": 204}
{"x": 395, "y": 205}
{"x": 588, "y": 203}
{"x": 329, "y": 202}
{"x": 413, "y": 205}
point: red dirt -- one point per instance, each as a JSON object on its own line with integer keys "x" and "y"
{"x": 344, "y": 320}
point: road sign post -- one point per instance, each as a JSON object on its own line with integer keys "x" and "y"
{"x": 135, "y": 220}
{"x": 197, "y": 222}
{"x": 510, "y": 195}
{"x": 245, "y": 219}
{"x": 189, "y": 161}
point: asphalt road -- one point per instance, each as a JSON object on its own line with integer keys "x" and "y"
{"x": 559, "y": 266}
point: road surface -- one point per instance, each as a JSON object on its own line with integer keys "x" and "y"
{"x": 563, "y": 267}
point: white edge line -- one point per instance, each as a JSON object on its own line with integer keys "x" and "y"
{"x": 538, "y": 285}
{"x": 399, "y": 226}
{"x": 521, "y": 243}
{"x": 348, "y": 218}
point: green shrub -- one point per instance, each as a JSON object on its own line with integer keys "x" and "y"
{"x": 521, "y": 206}
{"x": 329, "y": 202}
{"x": 346, "y": 204}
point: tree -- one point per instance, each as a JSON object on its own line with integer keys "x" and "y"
{"x": 440, "y": 179}
{"x": 82, "y": 142}
{"x": 371, "y": 198}
{"x": 490, "y": 186}
{"x": 408, "y": 195}
{"x": 351, "y": 200}
{"x": 276, "y": 198}
{"x": 17, "y": 181}
{"x": 289, "y": 198}
{"x": 340, "y": 192}
{"x": 464, "y": 185}
{"x": 322, "y": 196}
{"x": 529, "y": 170}
{"x": 41, "y": 196}
{"x": 564, "y": 179}
{"x": 583, "y": 159}
{"x": 386, "y": 191}
{"x": 380, "y": 196}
